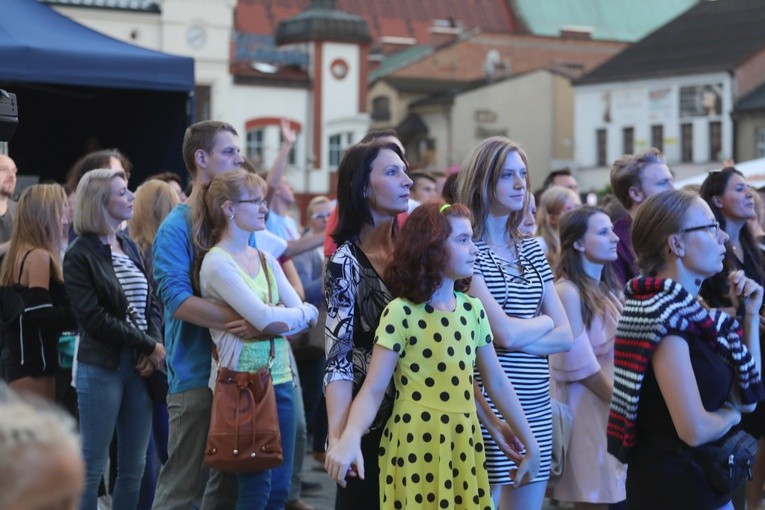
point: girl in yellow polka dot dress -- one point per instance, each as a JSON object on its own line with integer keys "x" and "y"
{"x": 429, "y": 339}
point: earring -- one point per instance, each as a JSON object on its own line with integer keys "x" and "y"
{"x": 365, "y": 195}
{"x": 231, "y": 217}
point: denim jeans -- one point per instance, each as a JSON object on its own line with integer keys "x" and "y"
{"x": 269, "y": 490}
{"x": 110, "y": 400}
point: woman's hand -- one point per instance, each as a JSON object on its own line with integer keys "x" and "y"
{"x": 343, "y": 459}
{"x": 158, "y": 356}
{"x": 506, "y": 440}
{"x": 747, "y": 289}
{"x": 528, "y": 468}
{"x": 144, "y": 366}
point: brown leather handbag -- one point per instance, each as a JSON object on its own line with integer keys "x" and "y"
{"x": 244, "y": 426}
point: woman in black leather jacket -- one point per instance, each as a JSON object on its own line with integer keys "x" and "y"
{"x": 119, "y": 343}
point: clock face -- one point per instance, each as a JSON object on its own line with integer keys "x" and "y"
{"x": 196, "y": 36}
{"x": 339, "y": 68}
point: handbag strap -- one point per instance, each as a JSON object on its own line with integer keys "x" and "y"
{"x": 264, "y": 265}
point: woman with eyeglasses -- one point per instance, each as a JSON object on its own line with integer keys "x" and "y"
{"x": 683, "y": 374}
{"x": 515, "y": 285}
{"x": 732, "y": 202}
{"x": 229, "y": 271}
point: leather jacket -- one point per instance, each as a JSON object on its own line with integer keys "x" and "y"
{"x": 100, "y": 305}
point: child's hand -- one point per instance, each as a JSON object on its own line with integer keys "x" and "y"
{"x": 506, "y": 440}
{"x": 344, "y": 459}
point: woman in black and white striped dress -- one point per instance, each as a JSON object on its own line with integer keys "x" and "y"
{"x": 514, "y": 282}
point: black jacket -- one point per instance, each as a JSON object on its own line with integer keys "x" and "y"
{"x": 100, "y": 305}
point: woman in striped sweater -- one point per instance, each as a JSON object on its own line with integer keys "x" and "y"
{"x": 683, "y": 374}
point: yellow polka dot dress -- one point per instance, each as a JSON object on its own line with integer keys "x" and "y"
{"x": 431, "y": 453}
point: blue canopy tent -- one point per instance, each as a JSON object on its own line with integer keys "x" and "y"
{"x": 79, "y": 90}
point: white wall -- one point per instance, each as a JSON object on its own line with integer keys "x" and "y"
{"x": 524, "y": 109}
{"x": 641, "y": 104}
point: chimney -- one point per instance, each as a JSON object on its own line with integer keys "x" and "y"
{"x": 443, "y": 31}
{"x": 575, "y": 32}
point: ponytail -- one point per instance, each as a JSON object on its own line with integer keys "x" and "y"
{"x": 203, "y": 232}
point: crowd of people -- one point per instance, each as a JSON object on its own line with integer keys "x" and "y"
{"x": 424, "y": 332}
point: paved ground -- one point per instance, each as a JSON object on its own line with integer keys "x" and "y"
{"x": 325, "y": 499}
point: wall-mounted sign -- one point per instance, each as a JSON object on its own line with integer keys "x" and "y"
{"x": 701, "y": 100}
{"x": 485, "y": 116}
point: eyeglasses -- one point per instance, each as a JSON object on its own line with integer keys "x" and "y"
{"x": 259, "y": 202}
{"x": 713, "y": 229}
{"x": 320, "y": 216}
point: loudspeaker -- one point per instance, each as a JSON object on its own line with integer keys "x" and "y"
{"x": 9, "y": 115}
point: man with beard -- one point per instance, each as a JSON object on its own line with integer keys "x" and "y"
{"x": 7, "y": 205}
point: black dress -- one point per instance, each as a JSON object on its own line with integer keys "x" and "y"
{"x": 661, "y": 479}
{"x": 32, "y": 346}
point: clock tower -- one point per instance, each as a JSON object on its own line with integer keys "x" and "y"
{"x": 337, "y": 44}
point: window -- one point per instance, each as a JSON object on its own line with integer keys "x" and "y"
{"x": 686, "y": 143}
{"x": 759, "y": 142}
{"x": 657, "y": 137}
{"x": 715, "y": 140}
{"x": 255, "y": 145}
{"x": 602, "y": 157}
{"x": 202, "y": 103}
{"x": 628, "y": 140}
{"x": 337, "y": 145}
{"x": 381, "y": 109}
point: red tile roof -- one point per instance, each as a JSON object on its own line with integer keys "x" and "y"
{"x": 465, "y": 59}
{"x": 398, "y": 18}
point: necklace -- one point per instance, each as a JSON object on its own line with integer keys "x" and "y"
{"x": 244, "y": 262}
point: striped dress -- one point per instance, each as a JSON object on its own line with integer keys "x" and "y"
{"x": 519, "y": 296}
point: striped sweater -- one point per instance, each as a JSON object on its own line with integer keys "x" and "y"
{"x": 655, "y": 308}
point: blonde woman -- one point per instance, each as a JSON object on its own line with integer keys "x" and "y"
{"x": 154, "y": 199}
{"x": 33, "y": 267}
{"x": 554, "y": 203}
{"x": 515, "y": 285}
{"x": 231, "y": 208}
{"x": 119, "y": 343}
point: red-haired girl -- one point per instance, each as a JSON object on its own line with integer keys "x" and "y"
{"x": 429, "y": 339}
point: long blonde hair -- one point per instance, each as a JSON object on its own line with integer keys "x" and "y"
{"x": 37, "y": 224}
{"x": 478, "y": 179}
{"x": 207, "y": 216}
{"x": 551, "y": 204}
{"x": 154, "y": 199}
